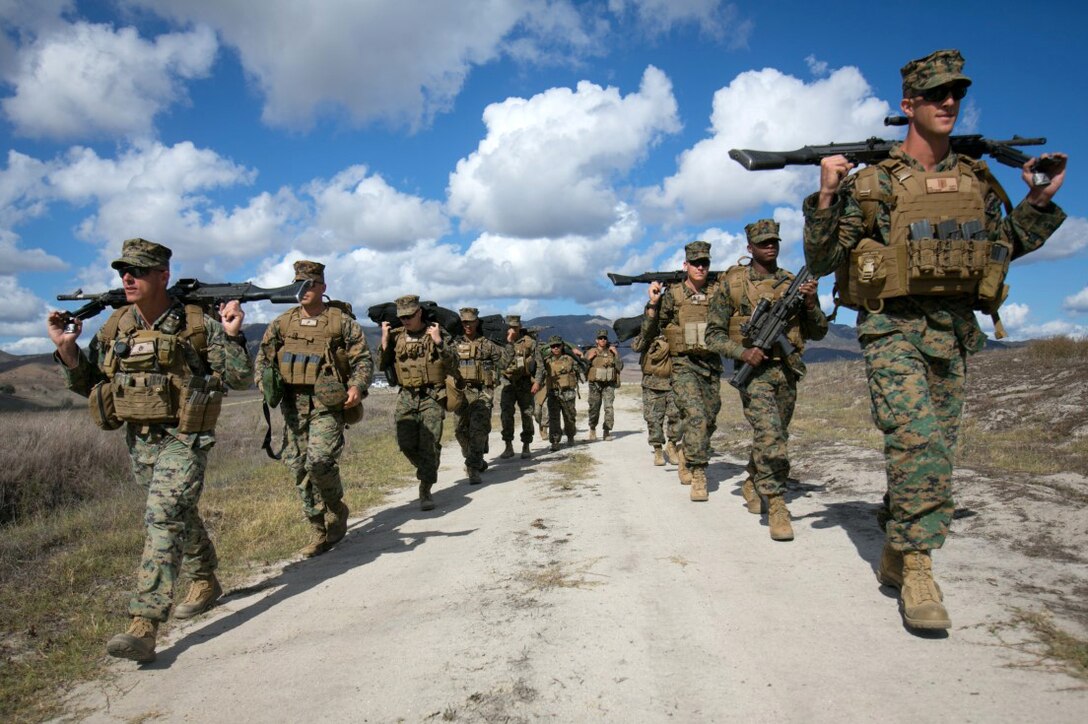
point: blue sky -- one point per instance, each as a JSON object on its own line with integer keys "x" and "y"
{"x": 498, "y": 153}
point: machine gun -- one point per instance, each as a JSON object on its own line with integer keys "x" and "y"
{"x": 876, "y": 149}
{"x": 187, "y": 291}
{"x": 768, "y": 323}
{"x": 673, "y": 277}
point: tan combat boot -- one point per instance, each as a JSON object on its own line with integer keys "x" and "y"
{"x": 682, "y": 469}
{"x": 778, "y": 518}
{"x": 136, "y": 644}
{"x": 202, "y": 594}
{"x": 698, "y": 492}
{"x": 509, "y": 451}
{"x": 337, "y": 525}
{"x": 659, "y": 456}
{"x": 752, "y": 497}
{"x": 890, "y": 572}
{"x": 318, "y": 543}
{"x": 607, "y": 434}
{"x": 425, "y": 500}
{"x": 474, "y": 476}
{"x": 592, "y": 434}
{"x": 525, "y": 453}
{"x": 920, "y": 598}
{"x": 671, "y": 454}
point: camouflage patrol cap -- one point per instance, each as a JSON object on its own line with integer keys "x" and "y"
{"x": 937, "y": 68}
{"x": 697, "y": 250}
{"x": 407, "y": 305}
{"x": 555, "y": 340}
{"x": 761, "y": 231}
{"x": 470, "y": 314}
{"x": 602, "y": 332}
{"x": 309, "y": 270}
{"x": 513, "y": 320}
{"x": 143, "y": 253}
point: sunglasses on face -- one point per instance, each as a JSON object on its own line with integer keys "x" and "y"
{"x": 702, "y": 263}
{"x": 136, "y": 272}
{"x": 938, "y": 94}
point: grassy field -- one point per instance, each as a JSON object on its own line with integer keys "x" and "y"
{"x": 1025, "y": 410}
{"x": 67, "y": 563}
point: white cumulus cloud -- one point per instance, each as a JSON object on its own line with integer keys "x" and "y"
{"x": 547, "y": 163}
{"x": 715, "y": 18}
{"x": 766, "y": 110}
{"x": 91, "y": 80}
{"x": 1077, "y": 302}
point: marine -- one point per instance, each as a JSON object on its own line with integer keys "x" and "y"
{"x": 562, "y": 372}
{"x": 916, "y": 320}
{"x": 478, "y": 360}
{"x": 658, "y": 400}
{"x": 603, "y": 373}
{"x": 522, "y": 367}
{"x": 771, "y": 394}
{"x": 679, "y": 313}
{"x": 418, "y": 356}
{"x": 318, "y": 353}
{"x": 160, "y": 369}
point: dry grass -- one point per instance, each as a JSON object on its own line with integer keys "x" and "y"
{"x": 558, "y": 575}
{"x": 1050, "y": 648}
{"x": 1026, "y": 410}
{"x": 66, "y": 573}
{"x": 573, "y": 471}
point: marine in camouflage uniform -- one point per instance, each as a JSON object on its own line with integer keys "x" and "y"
{"x": 313, "y": 430}
{"x": 166, "y": 462}
{"x": 523, "y": 368}
{"x": 478, "y": 358}
{"x": 604, "y": 361}
{"x": 658, "y": 405}
{"x": 695, "y": 369}
{"x": 418, "y": 355}
{"x": 561, "y": 372}
{"x": 771, "y": 393}
{"x": 915, "y": 346}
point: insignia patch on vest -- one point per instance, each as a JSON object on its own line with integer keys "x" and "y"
{"x": 142, "y": 348}
{"x": 943, "y": 185}
{"x": 308, "y": 322}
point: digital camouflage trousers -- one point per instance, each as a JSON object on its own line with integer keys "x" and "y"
{"x": 657, "y": 407}
{"x": 602, "y": 395}
{"x": 517, "y": 393}
{"x": 561, "y": 414}
{"x": 917, "y": 402}
{"x": 313, "y": 439}
{"x": 698, "y": 399}
{"x": 768, "y": 406}
{"x": 419, "y": 416}
{"x": 172, "y": 472}
{"x": 474, "y": 425}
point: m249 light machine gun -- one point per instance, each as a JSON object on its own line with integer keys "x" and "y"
{"x": 188, "y": 291}
{"x": 875, "y": 149}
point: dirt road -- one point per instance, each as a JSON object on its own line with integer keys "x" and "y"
{"x": 582, "y": 585}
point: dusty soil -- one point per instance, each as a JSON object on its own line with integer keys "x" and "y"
{"x": 582, "y": 585}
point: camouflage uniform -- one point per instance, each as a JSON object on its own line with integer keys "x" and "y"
{"x": 915, "y": 348}
{"x": 421, "y": 410}
{"x": 169, "y": 464}
{"x": 603, "y": 393}
{"x": 562, "y": 415}
{"x": 695, "y": 375}
{"x": 658, "y": 405}
{"x": 313, "y": 434}
{"x": 518, "y": 388}
{"x": 473, "y": 424}
{"x": 771, "y": 394}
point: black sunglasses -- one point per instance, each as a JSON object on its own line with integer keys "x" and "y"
{"x": 704, "y": 263}
{"x": 939, "y": 93}
{"x": 136, "y": 272}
